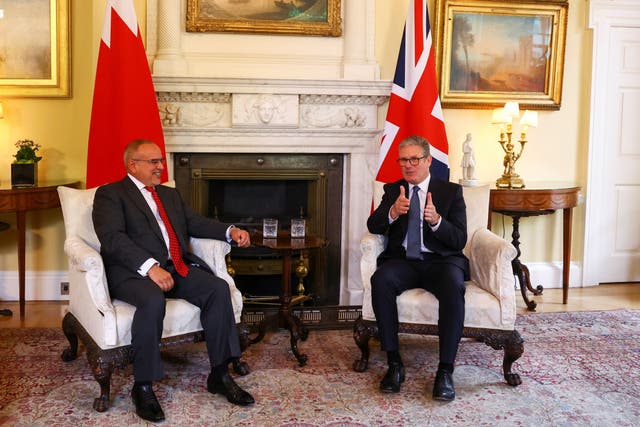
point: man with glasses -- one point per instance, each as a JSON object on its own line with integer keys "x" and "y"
{"x": 426, "y": 224}
{"x": 144, "y": 230}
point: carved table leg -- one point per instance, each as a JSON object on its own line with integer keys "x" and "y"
{"x": 298, "y": 331}
{"x": 521, "y": 270}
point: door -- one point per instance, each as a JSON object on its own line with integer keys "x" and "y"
{"x": 612, "y": 234}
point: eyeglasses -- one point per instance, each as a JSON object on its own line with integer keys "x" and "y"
{"x": 152, "y": 162}
{"x": 413, "y": 161}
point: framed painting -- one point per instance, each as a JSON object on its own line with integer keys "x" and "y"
{"x": 489, "y": 52}
{"x": 298, "y": 17}
{"x": 34, "y": 48}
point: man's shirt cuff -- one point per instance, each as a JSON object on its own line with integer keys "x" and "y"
{"x": 144, "y": 268}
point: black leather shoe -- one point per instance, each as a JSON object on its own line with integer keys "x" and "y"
{"x": 393, "y": 378}
{"x": 147, "y": 406}
{"x": 226, "y": 386}
{"x": 443, "y": 386}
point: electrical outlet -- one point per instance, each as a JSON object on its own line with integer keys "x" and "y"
{"x": 64, "y": 288}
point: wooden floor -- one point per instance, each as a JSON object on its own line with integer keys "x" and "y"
{"x": 603, "y": 297}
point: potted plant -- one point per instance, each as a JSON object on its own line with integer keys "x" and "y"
{"x": 24, "y": 169}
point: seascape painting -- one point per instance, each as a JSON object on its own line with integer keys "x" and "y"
{"x": 500, "y": 53}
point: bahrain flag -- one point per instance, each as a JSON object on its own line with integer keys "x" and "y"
{"x": 124, "y": 102}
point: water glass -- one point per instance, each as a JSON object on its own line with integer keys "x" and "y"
{"x": 297, "y": 227}
{"x": 270, "y": 228}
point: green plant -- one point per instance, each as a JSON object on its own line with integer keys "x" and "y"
{"x": 27, "y": 151}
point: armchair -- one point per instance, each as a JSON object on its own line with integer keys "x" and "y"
{"x": 103, "y": 324}
{"x": 490, "y": 305}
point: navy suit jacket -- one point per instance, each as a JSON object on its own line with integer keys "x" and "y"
{"x": 129, "y": 233}
{"x": 450, "y": 238}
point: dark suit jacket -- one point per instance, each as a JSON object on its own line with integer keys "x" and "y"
{"x": 129, "y": 234}
{"x": 450, "y": 238}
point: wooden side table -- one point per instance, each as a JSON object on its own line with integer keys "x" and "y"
{"x": 22, "y": 200}
{"x": 287, "y": 247}
{"x": 534, "y": 200}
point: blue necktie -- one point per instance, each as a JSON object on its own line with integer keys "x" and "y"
{"x": 413, "y": 230}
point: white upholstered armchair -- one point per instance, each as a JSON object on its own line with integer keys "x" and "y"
{"x": 103, "y": 324}
{"x": 490, "y": 305}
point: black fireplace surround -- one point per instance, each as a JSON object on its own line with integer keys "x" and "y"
{"x": 245, "y": 188}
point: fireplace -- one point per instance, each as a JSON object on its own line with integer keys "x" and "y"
{"x": 245, "y": 188}
{"x": 336, "y": 120}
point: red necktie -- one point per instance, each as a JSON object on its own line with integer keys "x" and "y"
{"x": 174, "y": 245}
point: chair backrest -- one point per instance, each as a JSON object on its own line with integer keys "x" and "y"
{"x": 476, "y": 200}
{"x": 77, "y": 206}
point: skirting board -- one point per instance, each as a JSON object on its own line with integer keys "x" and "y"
{"x": 39, "y": 285}
{"x": 45, "y": 285}
{"x": 549, "y": 274}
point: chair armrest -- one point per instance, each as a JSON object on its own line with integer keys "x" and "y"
{"x": 213, "y": 252}
{"x": 84, "y": 259}
{"x": 490, "y": 258}
{"x": 371, "y": 246}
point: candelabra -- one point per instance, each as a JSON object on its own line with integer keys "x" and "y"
{"x": 504, "y": 117}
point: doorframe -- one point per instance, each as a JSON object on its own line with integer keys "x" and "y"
{"x": 603, "y": 16}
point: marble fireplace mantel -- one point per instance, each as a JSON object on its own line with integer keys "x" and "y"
{"x": 209, "y": 115}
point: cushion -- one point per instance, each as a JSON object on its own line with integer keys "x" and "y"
{"x": 180, "y": 318}
{"x": 77, "y": 206}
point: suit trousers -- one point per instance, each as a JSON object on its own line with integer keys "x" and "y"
{"x": 202, "y": 289}
{"x": 444, "y": 280}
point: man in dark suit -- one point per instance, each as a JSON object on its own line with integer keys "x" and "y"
{"x": 426, "y": 234}
{"x": 144, "y": 230}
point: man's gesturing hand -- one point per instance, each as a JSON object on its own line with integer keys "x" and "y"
{"x": 430, "y": 213}
{"x": 400, "y": 206}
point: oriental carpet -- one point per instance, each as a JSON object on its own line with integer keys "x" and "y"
{"x": 578, "y": 369}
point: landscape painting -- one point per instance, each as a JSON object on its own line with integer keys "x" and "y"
{"x": 304, "y": 17}
{"x": 490, "y": 52}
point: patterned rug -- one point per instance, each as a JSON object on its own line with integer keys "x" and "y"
{"x": 578, "y": 369}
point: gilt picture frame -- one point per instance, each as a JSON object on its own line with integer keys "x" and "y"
{"x": 489, "y": 52}
{"x": 290, "y": 17}
{"x": 35, "y": 49}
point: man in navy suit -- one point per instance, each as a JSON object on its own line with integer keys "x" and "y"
{"x": 143, "y": 269}
{"x": 426, "y": 234}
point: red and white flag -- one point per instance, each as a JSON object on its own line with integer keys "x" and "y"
{"x": 414, "y": 105}
{"x": 124, "y": 100}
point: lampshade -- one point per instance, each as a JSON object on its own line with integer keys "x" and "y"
{"x": 500, "y": 116}
{"x": 1, "y": 112}
{"x": 512, "y": 108}
{"x": 529, "y": 118}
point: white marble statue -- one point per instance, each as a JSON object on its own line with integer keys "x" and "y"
{"x": 468, "y": 163}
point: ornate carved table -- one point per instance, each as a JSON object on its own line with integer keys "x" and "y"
{"x": 22, "y": 200}
{"x": 537, "y": 199}
{"x": 287, "y": 247}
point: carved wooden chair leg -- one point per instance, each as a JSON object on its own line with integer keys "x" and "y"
{"x": 102, "y": 374}
{"x": 513, "y": 349}
{"x": 71, "y": 352}
{"x": 362, "y": 334}
{"x": 240, "y": 367}
{"x": 243, "y": 335}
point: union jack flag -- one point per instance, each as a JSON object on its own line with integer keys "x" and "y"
{"x": 414, "y": 105}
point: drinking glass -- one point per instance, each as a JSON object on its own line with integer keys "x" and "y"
{"x": 297, "y": 227}
{"x": 270, "y": 228}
